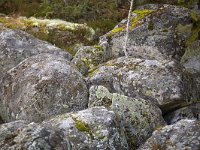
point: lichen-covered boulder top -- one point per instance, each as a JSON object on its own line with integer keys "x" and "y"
{"x": 90, "y": 129}
{"x": 42, "y": 86}
{"x": 61, "y": 33}
{"x": 139, "y": 117}
{"x": 16, "y": 45}
{"x": 185, "y": 134}
{"x": 163, "y": 82}
{"x": 156, "y": 32}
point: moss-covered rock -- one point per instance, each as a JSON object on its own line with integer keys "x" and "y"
{"x": 88, "y": 58}
{"x": 156, "y": 32}
{"x": 139, "y": 117}
{"x": 94, "y": 128}
{"x": 163, "y": 82}
{"x": 15, "y": 46}
{"x": 40, "y": 87}
{"x": 61, "y": 33}
{"x": 135, "y": 20}
{"x": 182, "y": 135}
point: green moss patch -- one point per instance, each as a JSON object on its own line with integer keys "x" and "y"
{"x": 61, "y": 33}
{"x": 135, "y": 21}
{"x": 81, "y": 126}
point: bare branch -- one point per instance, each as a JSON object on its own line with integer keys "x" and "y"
{"x": 127, "y": 29}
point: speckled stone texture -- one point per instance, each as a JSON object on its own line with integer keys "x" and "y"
{"x": 185, "y": 134}
{"x": 165, "y": 82}
{"x": 139, "y": 117}
{"x": 159, "y": 32}
{"x": 16, "y": 45}
{"x": 90, "y": 129}
{"x": 42, "y": 86}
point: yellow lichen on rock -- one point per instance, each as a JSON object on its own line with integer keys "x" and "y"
{"x": 136, "y": 19}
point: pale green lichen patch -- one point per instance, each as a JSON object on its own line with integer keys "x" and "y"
{"x": 135, "y": 21}
{"x": 61, "y": 33}
{"x": 81, "y": 126}
{"x": 189, "y": 53}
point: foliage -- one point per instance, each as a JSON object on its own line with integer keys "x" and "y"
{"x": 19, "y": 7}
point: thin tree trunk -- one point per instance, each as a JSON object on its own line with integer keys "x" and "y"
{"x": 127, "y": 29}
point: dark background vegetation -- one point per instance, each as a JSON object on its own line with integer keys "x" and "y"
{"x": 102, "y": 15}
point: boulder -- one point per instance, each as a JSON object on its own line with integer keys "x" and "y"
{"x": 185, "y": 134}
{"x": 15, "y": 46}
{"x": 155, "y": 33}
{"x": 89, "y": 57}
{"x": 139, "y": 117}
{"x": 94, "y": 128}
{"x": 42, "y": 86}
{"x": 59, "y": 32}
{"x": 9, "y": 131}
{"x": 164, "y": 82}
{"x": 189, "y": 112}
{"x": 191, "y": 61}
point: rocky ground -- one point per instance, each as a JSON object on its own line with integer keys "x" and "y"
{"x": 93, "y": 97}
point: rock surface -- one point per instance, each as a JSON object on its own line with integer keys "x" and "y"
{"x": 89, "y": 57}
{"x": 161, "y": 33}
{"x": 16, "y": 45}
{"x": 94, "y": 128}
{"x": 185, "y": 134}
{"x": 42, "y": 86}
{"x": 139, "y": 117}
{"x": 163, "y": 82}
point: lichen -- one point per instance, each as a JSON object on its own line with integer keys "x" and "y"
{"x": 81, "y": 126}
{"x": 87, "y": 62}
{"x": 189, "y": 53}
{"x": 135, "y": 21}
{"x": 192, "y": 42}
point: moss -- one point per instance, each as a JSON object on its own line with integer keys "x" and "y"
{"x": 135, "y": 21}
{"x": 100, "y": 48}
{"x": 87, "y": 62}
{"x": 186, "y": 3}
{"x": 92, "y": 71}
{"x": 191, "y": 43}
{"x": 150, "y": 25}
{"x": 195, "y": 17}
{"x": 165, "y": 30}
{"x": 189, "y": 53}
{"x": 81, "y": 126}
{"x": 96, "y": 57}
{"x": 184, "y": 28}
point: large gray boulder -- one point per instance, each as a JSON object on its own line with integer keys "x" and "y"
{"x": 42, "y": 86}
{"x": 185, "y": 134}
{"x": 155, "y": 33}
{"x": 16, "y": 45}
{"x": 90, "y": 129}
{"x": 139, "y": 117}
{"x": 164, "y": 82}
